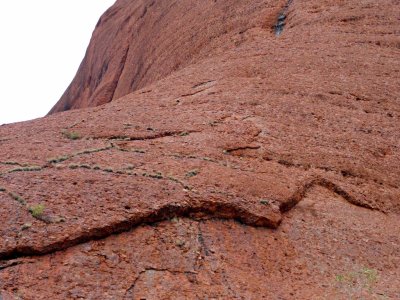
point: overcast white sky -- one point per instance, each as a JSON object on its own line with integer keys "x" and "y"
{"x": 42, "y": 43}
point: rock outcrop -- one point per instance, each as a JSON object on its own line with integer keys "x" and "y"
{"x": 136, "y": 43}
{"x": 227, "y": 162}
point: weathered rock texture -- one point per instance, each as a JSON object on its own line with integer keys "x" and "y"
{"x": 244, "y": 165}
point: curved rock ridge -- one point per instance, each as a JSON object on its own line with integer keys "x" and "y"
{"x": 262, "y": 166}
{"x": 253, "y": 214}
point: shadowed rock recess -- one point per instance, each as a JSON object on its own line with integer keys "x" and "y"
{"x": 214, "y": 150}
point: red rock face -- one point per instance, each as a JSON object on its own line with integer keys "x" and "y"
{"x": 266, "y": 167}
{"x": 136, "y": 43}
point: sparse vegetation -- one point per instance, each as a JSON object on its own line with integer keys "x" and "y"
{"x": 94, "y": 150}
{"x": 192, "y": 173}
{"x": 138, "y": 151}
{"x": 129, "y": 167}
{"x": 59, "y": 159}
{"x": 71, "y": 135}
{"x": 26, "y": 226}
{"x": 180, "y": 243}
{"x": 80, "y": 166}
{"x": 37, "y": 210}
{"x": 264, "y": 201}
{"x": 26, "y": 169}
{"x": 357, "y": 283}
{"x": 173, "y": 179}
{"x": 12, "y": 163}
{"x": 109, "y": 170}
{"x": 157, "y": 175}
{"x": 17, "y": 198}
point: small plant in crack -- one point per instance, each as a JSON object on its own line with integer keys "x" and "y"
{"x": 264, "y": 202}
{"x": 59, "y": 159}
{"x": 138, "y": 151}
{"x": 156, "y": 175}
{"x": 180, "y": 243}
{"x": 17, "y": 198}
{"x": 94, "y": 150}
{"x": 192, "y": 173}
{"x": 73, "y": 166}
{"x": 71, "y": 135}
{"x": 26, "y": 169}
{"x": 108, "y": 170}
{"x": 173, "y": 179}
{"x": 358, "y": 282}
{"x": 26, "y": 226}
{"x": 11, "y": 163}
{"x": 37, "y": 211}
{"x": 84, "y": 166}
{"x": 129, "y": 167}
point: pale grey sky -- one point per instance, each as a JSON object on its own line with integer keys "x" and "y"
{"x": 42, "y": 45}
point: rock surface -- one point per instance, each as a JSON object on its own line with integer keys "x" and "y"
{"x": 231, "y": 164}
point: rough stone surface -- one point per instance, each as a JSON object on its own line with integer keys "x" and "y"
{"x": 243, "y": 165}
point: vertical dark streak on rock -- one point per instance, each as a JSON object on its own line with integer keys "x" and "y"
{"x": 281, "y": 21}
{"x": 120, "y": 71}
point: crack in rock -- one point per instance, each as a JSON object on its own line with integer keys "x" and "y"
{"x": 257, "y": 215}
{"x": 146, "y": 137}
{"x": 302, "y": 191}
{"x": 281, "y": 22}
{"x": 14, "y": 262}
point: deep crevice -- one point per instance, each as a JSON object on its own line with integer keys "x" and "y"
{"x": 281, "y": 21}
{"x": 200, "y": 209}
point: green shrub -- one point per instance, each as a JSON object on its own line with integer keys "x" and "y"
{"x": 37, "y": 210}
{"x": 71, "y": 135}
